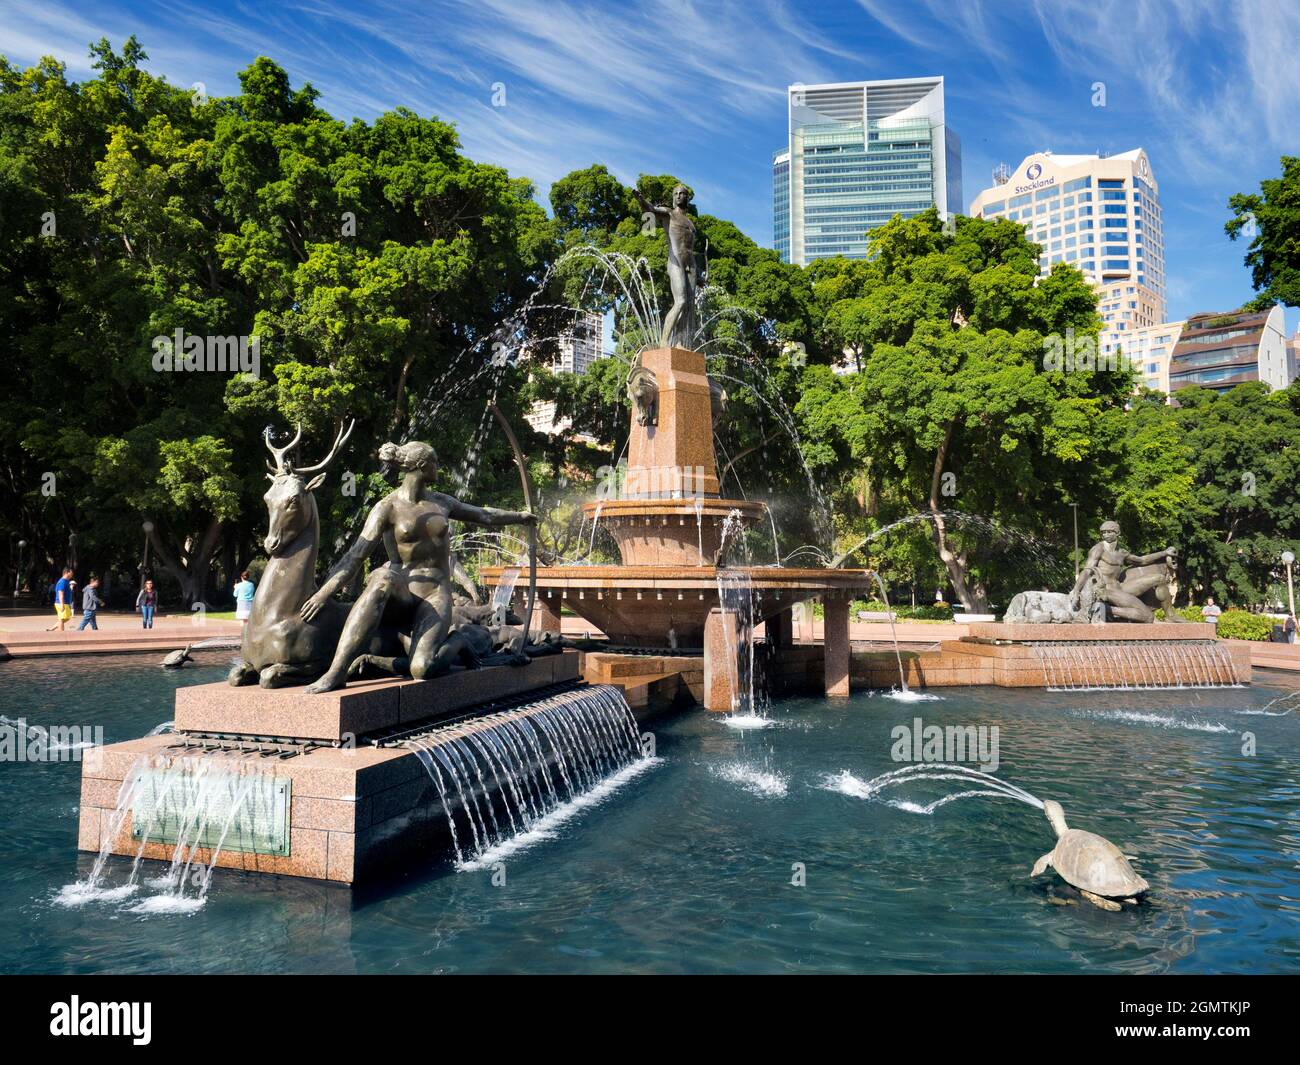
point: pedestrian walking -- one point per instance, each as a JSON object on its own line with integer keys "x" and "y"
{"x": 146, "y": 602}
{"x": 90, "y": 604}
{"x": 62, "y": 600}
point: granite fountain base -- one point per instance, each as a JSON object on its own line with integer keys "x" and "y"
{"x": 352, "y": 804}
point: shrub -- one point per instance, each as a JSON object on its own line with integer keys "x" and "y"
{"x": 1241, "y": 625}
{"x": 933, "y": 612}
{"x": 1187, "y": 613}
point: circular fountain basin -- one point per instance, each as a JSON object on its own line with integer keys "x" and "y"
{"x": 638, "y": 606}
{"x": 672, "y": 532}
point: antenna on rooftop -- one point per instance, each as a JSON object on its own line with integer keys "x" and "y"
{"x": 1001, "y": 174}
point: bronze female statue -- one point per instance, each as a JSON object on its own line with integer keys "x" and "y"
{"x": 414, "y": 589}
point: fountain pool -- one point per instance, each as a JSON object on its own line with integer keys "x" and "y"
{"x": 687, "y": 867}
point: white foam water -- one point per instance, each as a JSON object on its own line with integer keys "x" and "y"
{"x": 847, "y": 784}
{"x": 545, "y": 827}
{"x": 82, "y": 893}
{"x": 757, "y": 781}
{"x": 168, "y": 903}
{"x": 907, "y": 695}
{"x": 1139, "y": 717}
{"x": 747, "y": 721}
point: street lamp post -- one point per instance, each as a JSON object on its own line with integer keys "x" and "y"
{"x": 1075, "y": 508}
{"x": 1288, "y": 558}
{"x": 18, "y": 570}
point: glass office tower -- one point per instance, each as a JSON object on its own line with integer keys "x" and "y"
{"x": 858, "y": 153}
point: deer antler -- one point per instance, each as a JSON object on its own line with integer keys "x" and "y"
{"x": 339, "y": 441}
{"x": 281, "y": 465}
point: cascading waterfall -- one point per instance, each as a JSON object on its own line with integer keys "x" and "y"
{"x": 893, "y": 632}
{"x": 198, "y": 804}
{"x": 736, "y": 597}
{"x": 502, "y": 594}
{"x": 507, "y": 779}
{"x": 1117, "y": 665}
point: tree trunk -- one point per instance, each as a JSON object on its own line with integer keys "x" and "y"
{"x": 191, "y": 571}
{"x": 399, "y": 399}
{"x": 957, "y": 564}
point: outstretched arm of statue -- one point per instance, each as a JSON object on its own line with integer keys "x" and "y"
{"x": 350, "y": 564}
{"x": 487, "y": 515}
{"x": 1155, "y": 556}
{"x": 655, "y": 209}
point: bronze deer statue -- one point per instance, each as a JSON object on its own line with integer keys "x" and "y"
{"x": 280, "y": 648}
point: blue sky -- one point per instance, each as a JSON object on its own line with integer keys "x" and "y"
{"x": 1210, "y": 88}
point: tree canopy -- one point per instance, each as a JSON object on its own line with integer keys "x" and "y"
{"x": 938, "y": 388}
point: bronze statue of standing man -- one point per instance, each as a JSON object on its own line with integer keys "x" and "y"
{"x": 679, "y": 325}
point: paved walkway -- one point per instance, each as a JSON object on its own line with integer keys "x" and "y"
{"x": 23, "y": 635}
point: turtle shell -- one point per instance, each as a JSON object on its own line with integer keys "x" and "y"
{"x": 1093, "y": 863}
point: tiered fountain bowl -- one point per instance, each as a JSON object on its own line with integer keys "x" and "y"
{"x": 671, "y": 525}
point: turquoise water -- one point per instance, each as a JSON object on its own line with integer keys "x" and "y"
{"x": 688, "y": 867}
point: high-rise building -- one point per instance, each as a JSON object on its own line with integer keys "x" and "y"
{"x": 576, "y": 350}
{"x": 1219, "y": 351}
{"x": 857, "y": 154}
{"x": 1101, "y": 214}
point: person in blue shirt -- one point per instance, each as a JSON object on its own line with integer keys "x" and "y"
{"x": 244, "y": 592}
{"x": 62, "y": 600}
{"x": 90, "y": 604}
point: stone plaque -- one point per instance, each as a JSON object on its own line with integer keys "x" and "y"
{"x": 236, "y": 811}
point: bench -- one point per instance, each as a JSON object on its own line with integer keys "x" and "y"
{"x": 877, "y": 615}
{"x": 963, "y": 619}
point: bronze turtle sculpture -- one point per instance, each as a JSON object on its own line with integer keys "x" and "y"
{"x": 1091, "y": 863}
{"x": 176, "y": 659}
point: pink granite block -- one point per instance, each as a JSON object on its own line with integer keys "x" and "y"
{"x": 341, "y": 857}
{"x": 335, "y": 815}
{"x": 1114, "y": 630}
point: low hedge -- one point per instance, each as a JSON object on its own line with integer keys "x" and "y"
{"x": 933, "y": 612}
{"x": 1187, "y": 613}
{"x": 1242, "y": 625}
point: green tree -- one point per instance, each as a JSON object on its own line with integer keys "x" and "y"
{"x": 373, "y": 262}
{"x": 957, "y": 404}
{"x": 1270, "y": 220}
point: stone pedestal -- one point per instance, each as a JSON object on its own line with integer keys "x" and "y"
{"x": 721, "y": 638}
{"x": 836, "y": 639}
{"x": 354, "y": 809}
{"x": 546, "y": 615}
{"x": 674, "y": 458}
{"x": 362, "y": 707}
